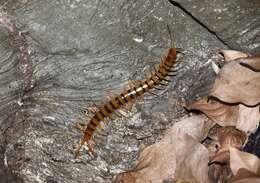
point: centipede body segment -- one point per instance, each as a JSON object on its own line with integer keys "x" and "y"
{"x": 157, "y": 78}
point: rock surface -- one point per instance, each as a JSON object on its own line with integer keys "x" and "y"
{"x": 58, "y": 57}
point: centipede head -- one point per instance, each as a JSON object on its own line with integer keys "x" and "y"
{"x": 172, "y": 54}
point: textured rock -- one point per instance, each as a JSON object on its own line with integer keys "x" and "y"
{"x": 235, "y": 23}
{"x": 72, "y": 53}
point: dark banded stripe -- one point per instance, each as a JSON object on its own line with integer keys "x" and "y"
{"x": 100, "y": 116}
{"x": 130, "y": 93}
{"x": 168, "y": 63}
{"x": 114, "y": 104}
{"x": 120, "y": 102}
{"x": 159, "y": 75}
{"x": 88, "y": 132}
{"x": 123, "y": 97}
{"x": 155, "y": 82}
{"x": 110, "y": 106}
{"x": 135, "y": 92}
{"x": 120, "y": 98}
{"x": 107, "y": 108}
{"x": 104, "y": 111}
{"x": 92, "y": 126}
{"x": 95, "y": 120}
{"x": 145, "y": 89}
{"x": 140, "y": 89}
{"x": 146, "y": 82}
{"x": 127, "y": 97}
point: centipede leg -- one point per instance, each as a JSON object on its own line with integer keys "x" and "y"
{"x": 153, "y": 93}
{"x": 159, "y": 88}
{"x": 180, "y": 50}
{"x": 90, "y": 110}
{"x": 167, "y": 80}
{"x": 90, "y": 149}
{"x": 115, "y": 112}
{"x": 82, "y": 142}
{"x": 172, "y": 75}
{"x": 101, "y": 130}
{"x": 177, "y": 67}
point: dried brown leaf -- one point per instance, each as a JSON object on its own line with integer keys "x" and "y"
{"x": 176, "y": 156}
{"x": 243, "y": 117}
{"x": 126, "y": 177}
{"x": 231, "y": 137}
{"x": 248, "y": 120}
{"x": 245, "y": 167}
{"x": 222, "y": 157}
{"x": 239, "y": 159}
{"x": 245, "y": 176}
{"x": 222, "y": 114}
{"x": 251, "y": 63}
{"x": 230, "y": 55}
{"x": 236, "y": 83}
{"x": 227, "y": 137}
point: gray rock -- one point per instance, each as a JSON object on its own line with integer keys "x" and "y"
{"x": 64, "y": 55}
{"x": 236, "y": 23}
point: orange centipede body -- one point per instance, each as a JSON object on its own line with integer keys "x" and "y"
{"x": 127, "y": 96}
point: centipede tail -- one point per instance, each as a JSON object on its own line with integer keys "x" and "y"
{"x": 159, "y": 77}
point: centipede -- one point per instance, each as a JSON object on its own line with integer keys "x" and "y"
{"x": 160, "y": 76}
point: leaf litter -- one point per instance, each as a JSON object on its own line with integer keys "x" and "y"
{"x": 207, "y": 147}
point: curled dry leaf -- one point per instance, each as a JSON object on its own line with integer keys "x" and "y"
{"x": 245, "y": 176}
{"x": 244, "y": 118}
{"x": 248, "y": 120}
{"x": 230, "y": 55}
{"x": 251, "y": 63}
{"x": 219, "y": 165}
{"x": 231, "y": 137}
{"x": 176, "y": 156}
{"x": 228, "y": 137}
{"x": 236, "y": 83}
{"x": 220, "y": 113}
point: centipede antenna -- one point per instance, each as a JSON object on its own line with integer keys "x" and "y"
{"x": 171, "y": 37}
